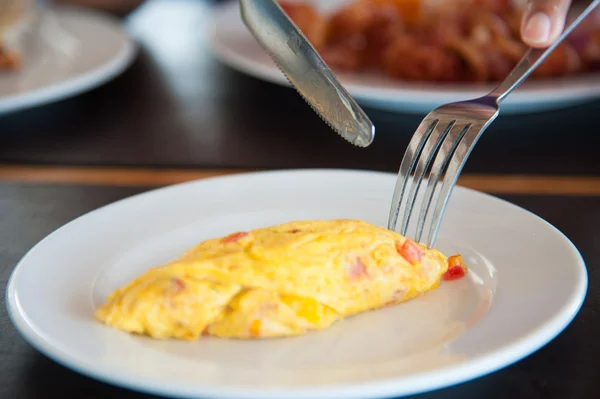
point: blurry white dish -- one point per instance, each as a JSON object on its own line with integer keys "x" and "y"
{"x": 71, "y": 51}
{"x": 526, "y": 283}
{"x": 236, "y": 47}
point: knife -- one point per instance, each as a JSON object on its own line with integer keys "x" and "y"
{"x": 306, "y": 70}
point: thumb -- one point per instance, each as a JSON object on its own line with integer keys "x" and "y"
{"x": 543, "y": 21}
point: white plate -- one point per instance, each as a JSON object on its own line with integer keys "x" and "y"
{"x": 91, "y": 49}
{"x": 527, "y": 282}
{"x": 235, "y": 46}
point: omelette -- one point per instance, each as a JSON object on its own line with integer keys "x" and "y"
{"x": 279, "y": 281}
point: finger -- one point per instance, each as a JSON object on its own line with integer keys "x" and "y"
{"x": 544, "y": 21}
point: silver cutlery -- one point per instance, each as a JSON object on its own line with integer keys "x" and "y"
{"x": 306, "y": 70}
{"x": 443, "y": 142}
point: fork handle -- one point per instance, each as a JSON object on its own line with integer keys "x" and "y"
{"x": 532, "y": 59}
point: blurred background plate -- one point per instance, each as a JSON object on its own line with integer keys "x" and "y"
{"x": 71, "y": 51}
{"x": 236, "y": 47}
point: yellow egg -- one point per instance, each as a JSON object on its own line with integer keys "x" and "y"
{"x": 279, "y": 281}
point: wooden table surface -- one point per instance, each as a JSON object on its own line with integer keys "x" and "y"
{"x": 177, "y": 114}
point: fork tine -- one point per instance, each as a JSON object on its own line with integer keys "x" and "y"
{"x": 441, "y": 161}
{"x": 427, "y": 155}
{"x": 456, "y": 164}
{"x": 408, "y": 163}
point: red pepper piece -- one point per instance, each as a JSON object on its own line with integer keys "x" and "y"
{"x": 235, "y": 237}
{"x": 456, "y": 268}
{"x": 410, "y": 251}
{"x": 179, "y": 284}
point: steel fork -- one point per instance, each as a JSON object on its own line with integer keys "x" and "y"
{"x": 443, "y": 142}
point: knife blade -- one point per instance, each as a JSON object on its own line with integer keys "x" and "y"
{"x": 306, "y": 71}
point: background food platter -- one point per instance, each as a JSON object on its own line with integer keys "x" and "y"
{"x": 233, "y": 44}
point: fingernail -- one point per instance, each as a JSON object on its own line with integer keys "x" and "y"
{"x": 537, "y": 28}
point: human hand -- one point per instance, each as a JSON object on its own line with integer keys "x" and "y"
{"x": 543, "y": 21}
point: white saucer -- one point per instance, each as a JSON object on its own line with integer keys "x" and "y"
{"x": 93, "y": 49}
{"x": 526, "y": 283}
{"x": 235, "y": 46}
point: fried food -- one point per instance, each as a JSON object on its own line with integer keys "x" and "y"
{"x": 438, "y": 41}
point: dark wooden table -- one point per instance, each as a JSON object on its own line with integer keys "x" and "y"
{"x": 177, "y": 114}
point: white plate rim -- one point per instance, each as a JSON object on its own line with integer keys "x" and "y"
{"x": 84, "y": 82}
{"x": 493, "y": 361}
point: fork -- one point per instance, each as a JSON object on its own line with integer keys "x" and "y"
{"x": 443, "y": 142}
